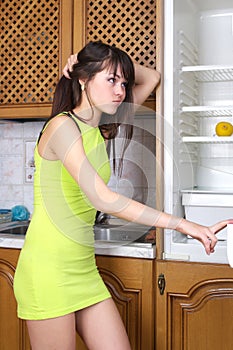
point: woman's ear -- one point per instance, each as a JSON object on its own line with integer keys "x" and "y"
{"x": 82, "y": 83}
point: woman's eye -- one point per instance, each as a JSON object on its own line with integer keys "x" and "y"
{"x": 112, "y": 80}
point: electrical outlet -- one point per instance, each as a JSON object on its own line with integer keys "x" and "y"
{"x": 29, "y": 164}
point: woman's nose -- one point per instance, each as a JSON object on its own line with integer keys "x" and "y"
{"x": 119, "y": 90}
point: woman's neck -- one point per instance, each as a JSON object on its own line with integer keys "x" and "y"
{"x": 88, "y": 115}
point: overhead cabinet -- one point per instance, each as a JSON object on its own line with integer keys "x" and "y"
{"x": 39, "y": 36}
{"x": 36, "y": 42}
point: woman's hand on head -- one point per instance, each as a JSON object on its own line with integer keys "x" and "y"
{"x": 69, "y": 65}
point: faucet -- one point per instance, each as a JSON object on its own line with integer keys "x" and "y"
{"x": 101, "y": 218}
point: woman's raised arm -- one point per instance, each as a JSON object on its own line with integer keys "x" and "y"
{"x": 146, "y": 80}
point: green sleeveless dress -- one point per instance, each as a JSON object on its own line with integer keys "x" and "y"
{"x": 56, "y": 273}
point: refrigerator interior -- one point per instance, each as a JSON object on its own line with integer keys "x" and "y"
{"x": 198, "y": 93}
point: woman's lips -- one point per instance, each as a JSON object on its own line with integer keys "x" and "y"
{"x": 117, "y": 102}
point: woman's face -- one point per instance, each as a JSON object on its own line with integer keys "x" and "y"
{"x": 107, "y": 90}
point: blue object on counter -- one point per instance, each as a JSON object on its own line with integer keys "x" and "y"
{"x": 20, "y": 213}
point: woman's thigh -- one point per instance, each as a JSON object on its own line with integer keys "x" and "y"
{"x": 55, "y": 333}
{"x": 101, "y": 327}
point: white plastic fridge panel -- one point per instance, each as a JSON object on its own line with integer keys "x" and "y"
{"x": 183, "y": 15}
{"x": 216, "y": 37}
{"x": 193, "y": 250}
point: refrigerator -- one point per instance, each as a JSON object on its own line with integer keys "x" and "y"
{"x": 197, "y": 95}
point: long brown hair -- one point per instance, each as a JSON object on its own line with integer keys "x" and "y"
{"x": 93, "y": 58}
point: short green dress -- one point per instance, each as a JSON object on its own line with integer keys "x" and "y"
{"x": 56, "y": 273}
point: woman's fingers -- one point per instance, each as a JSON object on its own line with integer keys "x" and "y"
{"x": 220, "y": 225}
{"x": 69, "y": 65}
{"x": 211, "y": 239}
{"x": 209, "y": 243}
{"x": 66, "y": 71}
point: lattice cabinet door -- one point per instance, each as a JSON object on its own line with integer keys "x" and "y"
{"x": 131, "y": 25}
{"x": 36, "y": 39}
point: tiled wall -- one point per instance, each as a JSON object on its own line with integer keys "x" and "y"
{"x": 14, "y": 188}
{"x": 138, "y": 179}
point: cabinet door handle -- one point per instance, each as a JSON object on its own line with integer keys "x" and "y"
{"x": 161, "y": 283}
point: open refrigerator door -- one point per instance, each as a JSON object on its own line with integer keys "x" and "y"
{"x": 198, "y": 95}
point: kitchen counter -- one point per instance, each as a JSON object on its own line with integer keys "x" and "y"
{"x": 121, "y": 239}
{"x": 136, "y": 250}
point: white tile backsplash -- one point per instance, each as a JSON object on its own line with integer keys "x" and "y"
{"x": 13, "y": 188}
{"x": 11, "y": 195}
{"x": 15, "y": 145}
{"x": 138, "y": 174}
{"x": 12, "y": 130}
{"x": 11, "y": 170}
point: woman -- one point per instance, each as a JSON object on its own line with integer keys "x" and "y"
{"x": 57, "y": 285}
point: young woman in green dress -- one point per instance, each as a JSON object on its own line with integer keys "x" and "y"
{"x": 57, "y": 285}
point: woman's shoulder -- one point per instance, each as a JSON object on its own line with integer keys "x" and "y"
{"x": 61, "y": 125}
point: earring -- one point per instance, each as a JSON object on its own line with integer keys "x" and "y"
{"x": 82, "y": 87}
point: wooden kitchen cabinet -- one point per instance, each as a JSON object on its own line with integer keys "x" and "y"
{"x": 131, "y": 284}
{"x": 133, "y": 26}
{"x": 195, "y": 311}
{"x": 36, "y": 43}
{"x": 40, "y": 36}
{"x": 13, "y": 331}
{"x": 129, "y": 280}
{"x": 165, "y": 305}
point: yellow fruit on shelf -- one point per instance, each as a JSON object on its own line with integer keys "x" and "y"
{"x": 224, "y": 129}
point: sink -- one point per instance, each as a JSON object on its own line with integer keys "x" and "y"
{"x": 115, "y": 234}
{"x": 121, "y": 234}
{"x": 14, "y": 227}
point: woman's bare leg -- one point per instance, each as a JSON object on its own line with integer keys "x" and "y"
{"x": 101, "y": 327}
{"x": 54, "y": 333}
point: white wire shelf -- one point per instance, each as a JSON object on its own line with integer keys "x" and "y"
{"x": 209, "y": 110}
{"x": 210, "y": 73}
{"x": 208, "y": 139}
